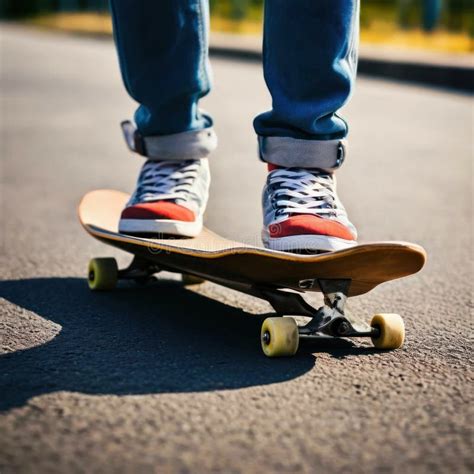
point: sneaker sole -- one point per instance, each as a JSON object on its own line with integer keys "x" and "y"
{"x": 160, "y": 227}
{"x": 309, "y": 243}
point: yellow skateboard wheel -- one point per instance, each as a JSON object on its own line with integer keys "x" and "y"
{"x": 392, "y": 331}
{"x": 102, "y": 274}
{"x": 279, "y": 337}
{"x": 188, "y": 279}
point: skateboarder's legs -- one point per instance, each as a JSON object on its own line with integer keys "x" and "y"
{"x": 309, "y": 59}
{"x": 309, "y": 64}
{"x": 163, "y": 52}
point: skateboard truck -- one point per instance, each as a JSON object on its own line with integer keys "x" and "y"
{"x": 103, "y": 273}
{"x": 139, "y": 271}
{"x": 328, "y": 320}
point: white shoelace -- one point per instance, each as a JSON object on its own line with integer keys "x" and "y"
{"x": 302, "y": 191}
{"x": 161, "y": 180}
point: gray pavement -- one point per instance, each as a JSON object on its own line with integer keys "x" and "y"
{"x": 167, "y": 379}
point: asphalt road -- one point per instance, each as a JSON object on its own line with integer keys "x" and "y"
{"x": 167, "y": 379}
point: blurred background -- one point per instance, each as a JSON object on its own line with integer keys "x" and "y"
{"x": 443, "y": 25}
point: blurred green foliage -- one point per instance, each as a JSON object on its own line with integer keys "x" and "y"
{"x": 454, "y": 15}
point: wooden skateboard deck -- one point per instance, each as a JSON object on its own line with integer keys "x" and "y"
{"x": 236, "y": 264}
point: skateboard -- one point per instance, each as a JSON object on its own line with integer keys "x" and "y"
{"x": 281, "y": 278}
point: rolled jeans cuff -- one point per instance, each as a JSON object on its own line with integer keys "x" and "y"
{"x": 298, "y": 153}
{"x": 191, "y": 145}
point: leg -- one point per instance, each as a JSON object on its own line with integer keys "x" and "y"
{"x": 163, "y": 53}
{"x": 309, "y": 65}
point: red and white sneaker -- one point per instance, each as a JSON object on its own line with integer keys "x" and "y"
{"x": 302, "y": 212}
{"x": 170, "y": 199}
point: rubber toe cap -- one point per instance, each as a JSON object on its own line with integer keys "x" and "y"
{"x": 304, "y": 224}
{"x": 158, "y": 210}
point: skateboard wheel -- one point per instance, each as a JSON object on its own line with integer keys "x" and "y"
{"x": 392, "y": 331}
{"x": 102, "y": 274}
{"x": 279, "y": 337}
{"x": 188, "y": 279}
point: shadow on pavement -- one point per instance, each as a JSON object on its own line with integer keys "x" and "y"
{"x": 136, "y": 340}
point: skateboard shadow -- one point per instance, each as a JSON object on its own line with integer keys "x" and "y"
{"x": 136, "y": 340}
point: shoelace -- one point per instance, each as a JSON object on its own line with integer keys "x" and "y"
{"x": 161, "y": 180}
{"x": 303, "y": 191}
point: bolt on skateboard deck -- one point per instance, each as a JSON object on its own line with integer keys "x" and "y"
{"x": 278, "y": 277}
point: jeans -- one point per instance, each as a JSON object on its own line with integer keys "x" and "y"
{"x": 309, "y": 62}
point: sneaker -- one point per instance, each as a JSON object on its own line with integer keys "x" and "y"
{"x": 303, "y": 213}
{"x": 170, "y": 199}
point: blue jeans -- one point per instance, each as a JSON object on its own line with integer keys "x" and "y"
{"x": 309, "y": 60}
